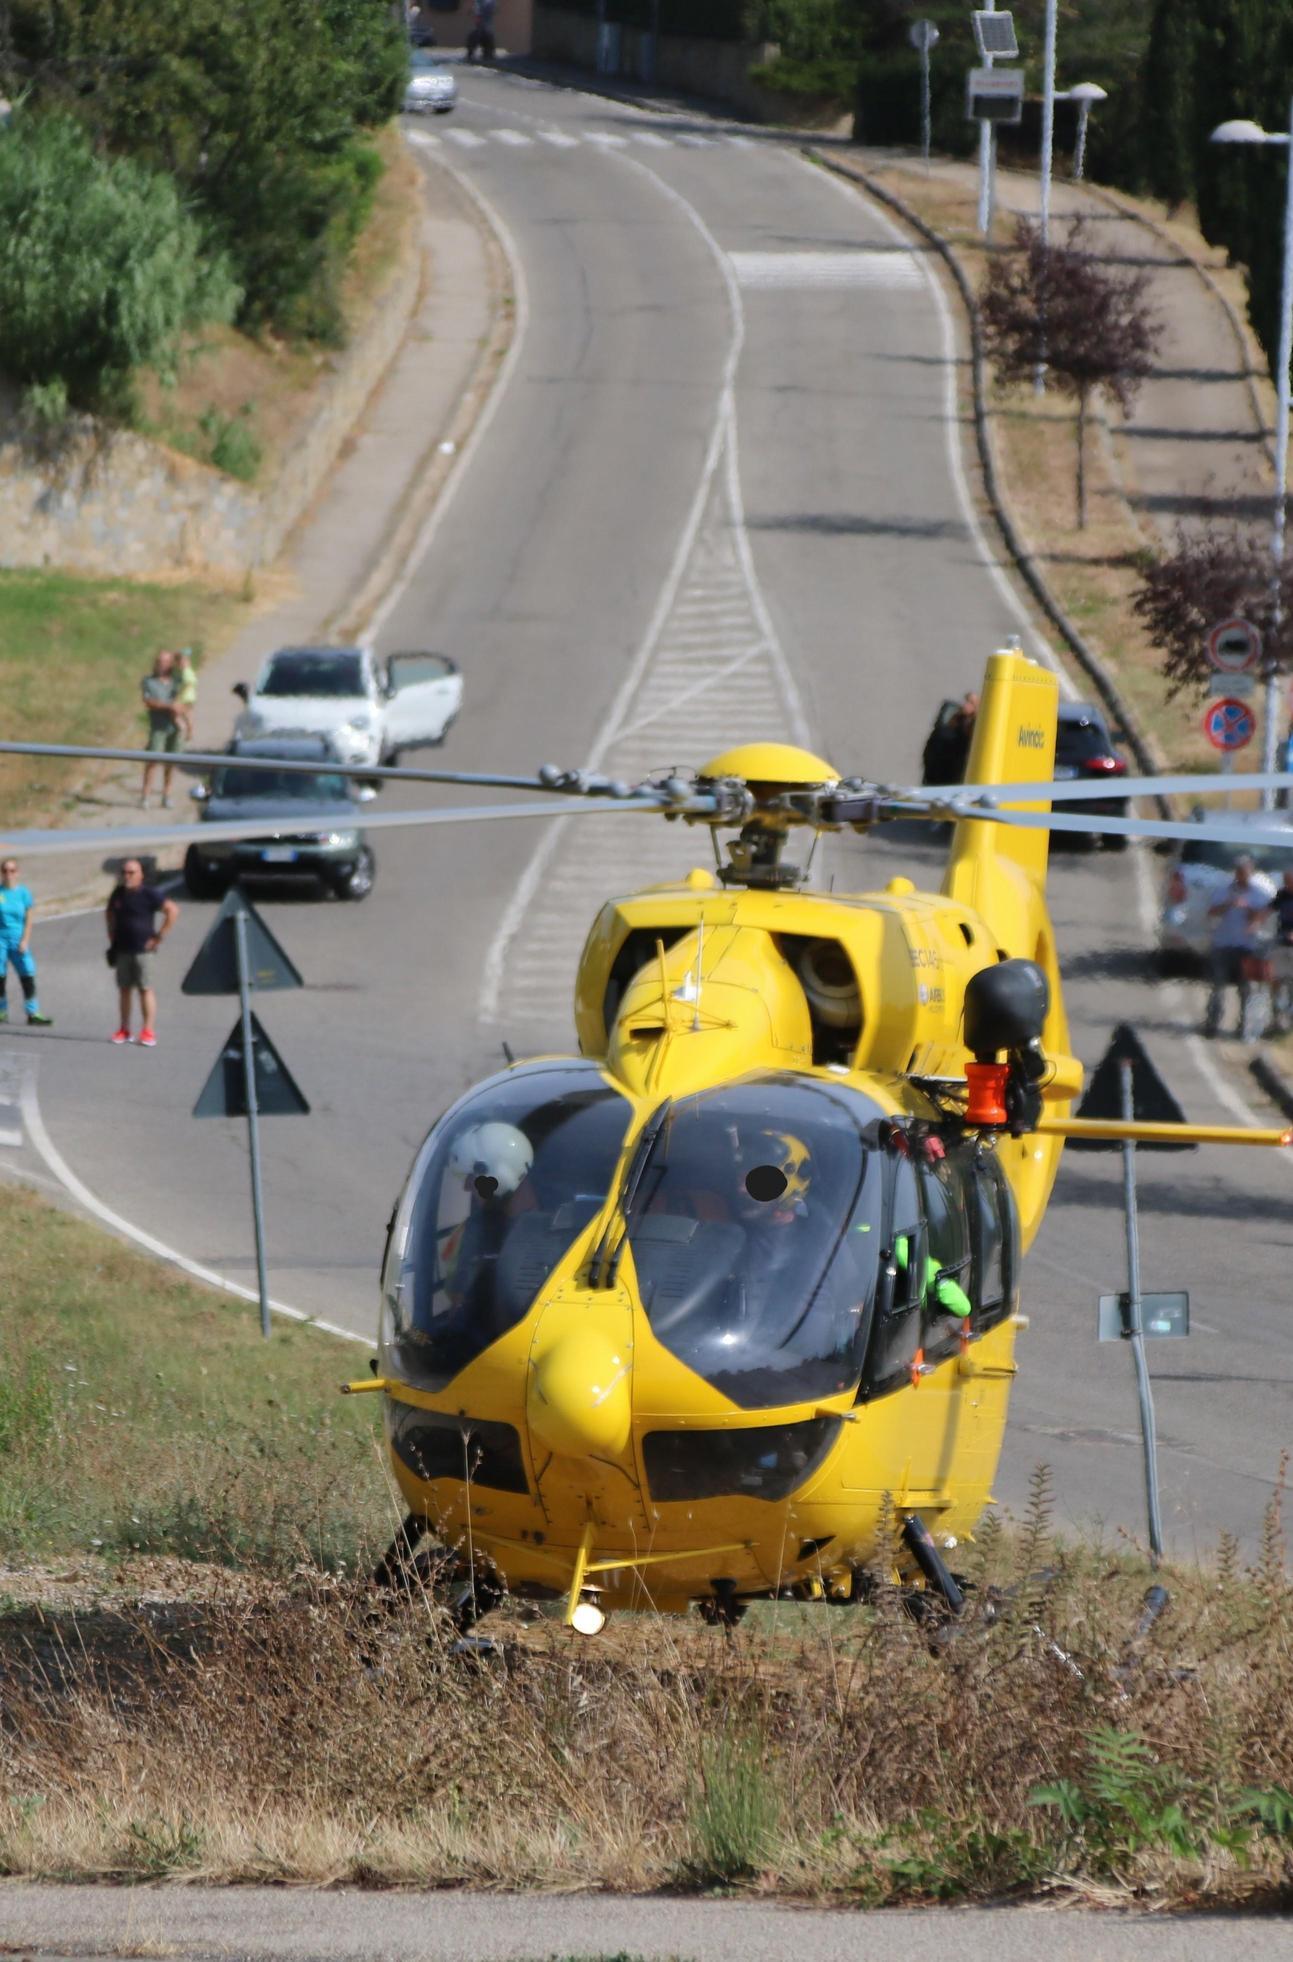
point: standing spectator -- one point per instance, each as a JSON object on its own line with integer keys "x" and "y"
{"x": 947, "y": 749}
{"x": 16, "y": 903}
{"x": 185, "y": 677}
{"x": 159, "y": 692}
{"x": 133, "y": 938}
{"x": 1235, "y": 953}
{"x": 481, "y": 39}
{"x": 1282, "y": 955}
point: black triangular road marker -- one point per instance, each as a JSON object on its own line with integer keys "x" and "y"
{"x": 224, "y": 1092}
{"x": 215, "y": 965}
{"x": 1153, "y": 1102}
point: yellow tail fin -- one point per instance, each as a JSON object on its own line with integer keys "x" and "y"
{"x": 1014, "y": 742}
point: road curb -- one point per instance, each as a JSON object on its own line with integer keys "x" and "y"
{"x": 1091, "y": 663}
{"x": 1269, "y": 1076}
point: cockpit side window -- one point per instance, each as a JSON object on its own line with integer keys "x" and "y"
{"x": 996, "y": 1251}
{"x": 503, "y": 1187}
{"x": 946, "y": 1184}
{"x": 896, "y": 1334}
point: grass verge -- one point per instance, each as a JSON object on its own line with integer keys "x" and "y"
{"x": 196, "y": 1687}
{"x": 73, "y": 652}
{"x": 140, "y": 1415}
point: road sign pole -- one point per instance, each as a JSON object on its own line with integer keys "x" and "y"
{"x": 987, "y": 157}
{"x": 1136, "y": 1329}
{"x": 924, "y": 101}
{"x": 253, "y": 1115}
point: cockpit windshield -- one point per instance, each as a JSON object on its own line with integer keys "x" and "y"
{"x": 755, "y": 1230}
{"x": 502, "y": 1188}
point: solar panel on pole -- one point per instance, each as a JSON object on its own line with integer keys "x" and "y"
{"x": 994, "y": 35}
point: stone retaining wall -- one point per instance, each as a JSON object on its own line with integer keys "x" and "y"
{"x": 112, "y": 502}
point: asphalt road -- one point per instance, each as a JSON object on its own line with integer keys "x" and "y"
{"x": 722, "y": 495}
{"x": 299, "y": 1924}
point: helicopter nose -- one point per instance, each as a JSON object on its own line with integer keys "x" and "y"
{"x": 578, "y": 1401}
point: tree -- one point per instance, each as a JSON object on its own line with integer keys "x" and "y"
{"x": 1167, "y": 126}
{"x": 1211, "y": 576}
{"x": 102, "y": 268}
{"x": 1057, "y": 307}
{"x": 257, "y": 107}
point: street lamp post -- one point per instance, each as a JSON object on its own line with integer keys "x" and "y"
{"x": 1048, "y": 118}
{"x": 1242, "y": 130}
{"x": 1086, "y": 95}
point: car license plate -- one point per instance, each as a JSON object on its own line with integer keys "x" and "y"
{"x": 279, "y": 855}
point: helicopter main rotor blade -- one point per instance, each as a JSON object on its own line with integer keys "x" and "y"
{"x": 1071, "y": 791}
{"x": 1218, "y": 831}
{"x": 131, "y": 838}
{"x": 198, "y": 762}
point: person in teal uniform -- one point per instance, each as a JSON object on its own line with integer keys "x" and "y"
{"x": 16, "y": 905}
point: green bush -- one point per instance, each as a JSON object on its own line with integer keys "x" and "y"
{"x": 102, "y": 269}
{"x": 257, "y": 108}
{"x": 233, "y": 444}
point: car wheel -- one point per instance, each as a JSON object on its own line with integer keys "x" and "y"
{"x": 390, "y": 759}
{"x": 201, "y": 880}
{"x": 356, "y": 882}
{"x": 1114, "y": 841}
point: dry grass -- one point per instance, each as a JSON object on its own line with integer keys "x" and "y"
{"x": 303, "y": 1735}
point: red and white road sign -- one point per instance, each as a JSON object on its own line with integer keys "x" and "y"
{"x": 1229, "y": 724}
{"x": 1234, "y": 646}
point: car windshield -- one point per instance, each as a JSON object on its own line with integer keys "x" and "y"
{"x": 1078, "y": 742}
{"x": 326, "y": 788}
{"x": 1224, "y": 857}
{"x": 755, "y": 1230}
{"x": 503, "y": 1187}
{"x": 303, "y": 672}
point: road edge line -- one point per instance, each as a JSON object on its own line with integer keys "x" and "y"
{"x": 48, "y": 1151}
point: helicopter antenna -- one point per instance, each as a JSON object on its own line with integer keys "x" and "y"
{"x": 700, "y": 959}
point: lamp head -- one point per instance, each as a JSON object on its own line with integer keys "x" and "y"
{"x": 1088, "y": 92}
{"x": 1241, "y": 129}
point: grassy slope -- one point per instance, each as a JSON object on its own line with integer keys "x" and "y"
{"x": 72, "y": 652}
{"x": 171, "y": 1719}
{"x": 138, "y": 1412}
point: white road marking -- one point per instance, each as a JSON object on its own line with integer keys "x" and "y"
{"x": 558, "y": 138}
{"x": 467, "y": 139}
{"x": 422, "y": 138}
{"x": 692, "y": 140}
{"x": 652, "y": 139}
{"x": 712, "y": 578}
{"x": 67, "y": 1178}
{"x": 515, "y": 137}
{"x": 865, "y": 267}
{"x": 607, "y": 139}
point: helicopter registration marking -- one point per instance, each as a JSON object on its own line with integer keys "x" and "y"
{"x": 925, "y": 957}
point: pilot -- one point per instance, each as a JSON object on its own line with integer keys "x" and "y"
{"x": 771, "y": 1203}
{"x": 492, "y": 1161}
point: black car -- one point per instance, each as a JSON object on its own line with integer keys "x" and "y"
{"x": 1084, "y": 748}
{"x": 310, "y": 823}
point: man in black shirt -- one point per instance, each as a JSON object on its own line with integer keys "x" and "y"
{"x": 133, "y": 938}
{"x": 1282, "y": 953}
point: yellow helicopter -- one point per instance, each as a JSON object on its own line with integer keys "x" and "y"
{"x": 684, "y": 1320}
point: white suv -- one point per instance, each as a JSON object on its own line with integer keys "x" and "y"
{"x": 368, "y": 710}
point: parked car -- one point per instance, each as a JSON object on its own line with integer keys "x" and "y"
{"x": 1199, "y": 873}
{"x": 1085, "y": 748}
{"x": 328, "y": 848}
{"x": 368, "y": 710}
{"x": 432, "y": 89}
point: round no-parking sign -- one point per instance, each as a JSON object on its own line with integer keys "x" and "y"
{"x": 1234, "y": 646}
{"x": 1229, "y": 724}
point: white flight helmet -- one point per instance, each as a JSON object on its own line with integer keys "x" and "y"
{"x": 492, "y": 1159}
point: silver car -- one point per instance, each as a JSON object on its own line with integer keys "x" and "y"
{"x": 432, "y": 89}
{"x": 1199, "y": 873}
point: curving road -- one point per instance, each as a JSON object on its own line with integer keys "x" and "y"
{"x": 722, "y": 495}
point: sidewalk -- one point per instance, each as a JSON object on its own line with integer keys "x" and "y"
{"x": 385, "y": 483}
{"x": 1196, "y": 446}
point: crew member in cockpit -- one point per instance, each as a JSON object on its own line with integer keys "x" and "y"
{"x": 492, "y": 1161}
{"x": 772, "y": 1205}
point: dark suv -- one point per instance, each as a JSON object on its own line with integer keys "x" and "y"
{"x": 310, "y": 823}
{"x": 1084, "y": 748}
